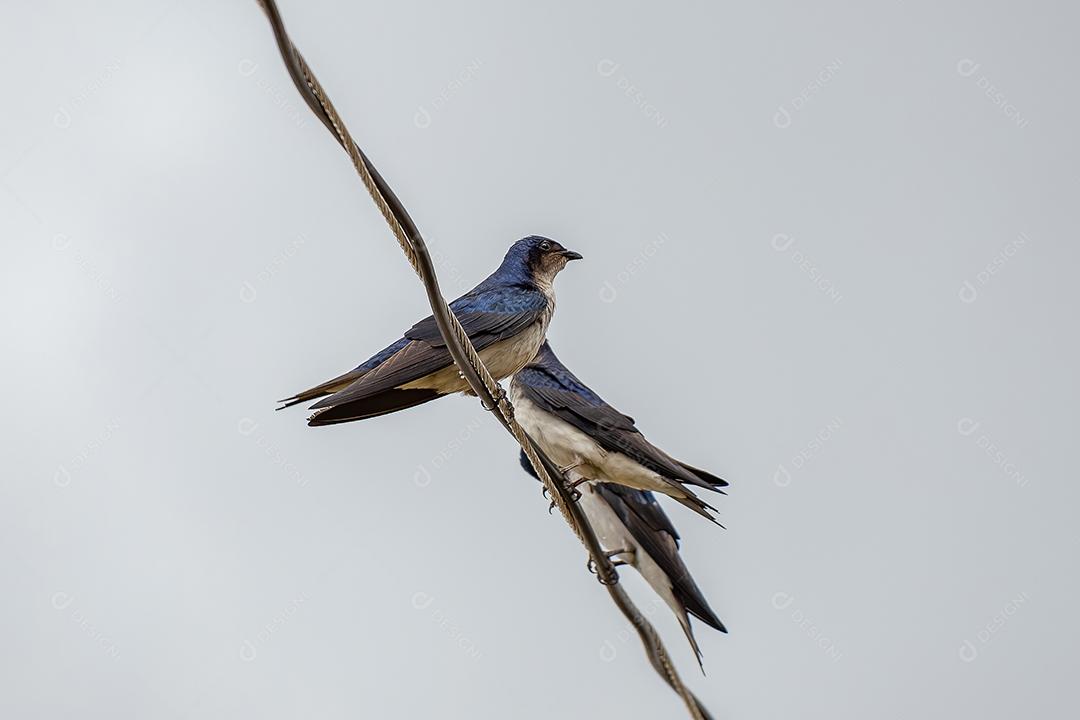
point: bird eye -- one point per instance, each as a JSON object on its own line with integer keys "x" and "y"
{"x": 545, "y": 246}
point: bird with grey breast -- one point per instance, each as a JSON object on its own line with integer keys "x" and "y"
{"x": 582, "y": 433}
{"x": 506, "y": 317}
{"x": 634, "y": 530}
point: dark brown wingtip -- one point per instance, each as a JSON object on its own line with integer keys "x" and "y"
{"x": 713, "y": 481}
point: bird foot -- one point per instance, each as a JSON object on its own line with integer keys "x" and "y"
{"x": 591, "y": 564}
{"x": 497, "y": 397}
{"x": 574, "y": 496}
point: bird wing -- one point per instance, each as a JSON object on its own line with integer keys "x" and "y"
{"x": 614, "y": 431}
{"x": 487, "y": 318}
{"x": 653, "y": 531}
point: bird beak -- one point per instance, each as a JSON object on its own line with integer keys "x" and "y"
{"x": 570, "y": 255}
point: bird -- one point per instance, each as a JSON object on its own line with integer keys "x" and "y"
{"x": 634, "y": 530}
{"x": 581, "y": 432}
{"x": 506, "y": 316}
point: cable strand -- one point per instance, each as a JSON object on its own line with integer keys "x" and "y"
{"x": 465, "y": 355}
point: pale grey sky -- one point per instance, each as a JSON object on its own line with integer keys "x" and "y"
{"x": 829, "y": 255}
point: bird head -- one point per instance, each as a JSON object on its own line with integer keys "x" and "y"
{"x": 542, "y": 258}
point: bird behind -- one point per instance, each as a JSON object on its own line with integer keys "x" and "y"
{"x": 579, "y": 430}
{"x": 631, "y": 525}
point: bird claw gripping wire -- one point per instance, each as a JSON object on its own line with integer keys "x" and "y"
{"x": 590, "y": 565}
{"x": 573, "y": 494}
{"x": 497, "y": 398}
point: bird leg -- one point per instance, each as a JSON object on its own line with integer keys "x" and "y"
{"x": 571, "y": 489}
{"x": 591, "y": 564}
{"x": 497, "y": 397}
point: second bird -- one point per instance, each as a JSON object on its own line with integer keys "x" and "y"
{"x": 581, "y": 432}
{"x": 506, "y": 317}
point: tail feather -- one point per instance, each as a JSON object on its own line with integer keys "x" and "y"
{"x": 375, "y": 405}
{"x": 327, "y": 388}
{"x": 713, "y": 481}
{"x": 684, "y": 621}
{"x": 698, "y": 505}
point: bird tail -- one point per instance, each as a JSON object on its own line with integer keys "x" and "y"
{"x": 684, "y": 622}
{"x": 713, "y": 481}
{"x": 381, "y": 403}
{"x": 698, "y": 505}
{"x": 327, "y": 388}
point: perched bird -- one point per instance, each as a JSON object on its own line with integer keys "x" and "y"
{"x": 635, "y": 531}
{"x": 581, "y": 432}
{"x": 506, "y": 317}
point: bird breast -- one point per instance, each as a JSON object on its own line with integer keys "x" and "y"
{"x": 564, "y": 443}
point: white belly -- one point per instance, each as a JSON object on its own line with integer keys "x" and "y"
{"x": 569, "y": 447}
{"x": 614, "y": 536}
{"x": 564, "y": 444}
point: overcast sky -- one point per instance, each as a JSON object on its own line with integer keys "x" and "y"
{"x": 830, "y": 255}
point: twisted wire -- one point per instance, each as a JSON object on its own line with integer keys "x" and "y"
{"x": 465, "y": 355}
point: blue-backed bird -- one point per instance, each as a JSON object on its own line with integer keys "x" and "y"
{"x": 634, "y": 530}
{"x": 506, "y": 317}
{"x": 581, "y": 432}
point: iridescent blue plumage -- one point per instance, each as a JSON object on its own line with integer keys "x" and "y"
{"x": 506, "y": 314}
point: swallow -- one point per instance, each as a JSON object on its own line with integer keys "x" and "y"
{"x": 634, "y": 530}
{"x": 506, "y": 316}
{"x": 581, "y": 432}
